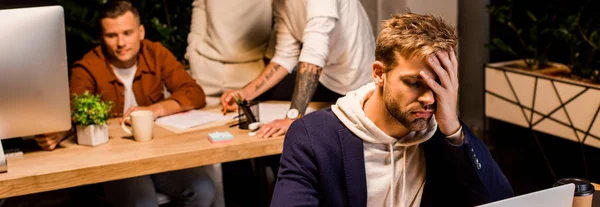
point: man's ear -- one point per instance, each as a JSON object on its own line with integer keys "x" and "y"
{"x": 378, "y": 68}
{"x": 142, "y": 32}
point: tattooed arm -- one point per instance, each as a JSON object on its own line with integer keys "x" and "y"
{"x": 307, "y": 80}
{"x": 272, "y": 75}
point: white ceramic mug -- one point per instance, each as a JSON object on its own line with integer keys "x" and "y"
{"x": 142, "y": 122}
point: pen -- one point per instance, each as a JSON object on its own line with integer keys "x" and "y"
{"x": 225, "y": 105}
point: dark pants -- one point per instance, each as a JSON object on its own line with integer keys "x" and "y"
{"x": 188, "y": 187}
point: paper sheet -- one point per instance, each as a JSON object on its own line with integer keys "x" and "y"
{"x": 271, "y": 111}
{"x": 192, "y": 118}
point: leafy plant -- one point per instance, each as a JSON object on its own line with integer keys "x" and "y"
{"x": 581, "y": 32}
{"x": 167, "y": 22}
{"x": 89, "y": 109}
{"x": 533, "y": 34}
{"x": 567, "y": 31}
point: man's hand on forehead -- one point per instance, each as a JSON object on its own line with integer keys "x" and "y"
{"x": 445, "y": 66}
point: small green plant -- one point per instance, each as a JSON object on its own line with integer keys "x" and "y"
{"x": 90, "y": 109}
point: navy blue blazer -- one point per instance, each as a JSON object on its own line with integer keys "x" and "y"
{"x": 323, "y": 165}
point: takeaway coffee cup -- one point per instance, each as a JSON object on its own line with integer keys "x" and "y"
{"x": 142, "y": 122}
{"x": 584, "y": 191}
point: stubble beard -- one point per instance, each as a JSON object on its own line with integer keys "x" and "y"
{"x": 402, "y": 114}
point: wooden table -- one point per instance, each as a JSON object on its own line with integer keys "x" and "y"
{"x": 73, "y": 165}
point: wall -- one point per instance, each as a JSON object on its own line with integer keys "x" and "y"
{"x": 379, "y": 10}
{"x": 474, "y": 30}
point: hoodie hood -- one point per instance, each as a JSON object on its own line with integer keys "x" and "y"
{"x": 382, "y": 152}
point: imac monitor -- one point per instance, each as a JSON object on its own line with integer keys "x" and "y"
{"x": 34, "y": 90}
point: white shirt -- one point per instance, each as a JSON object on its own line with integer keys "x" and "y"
{"x": 333, "y": 34}
{"x": 126, "y": 75}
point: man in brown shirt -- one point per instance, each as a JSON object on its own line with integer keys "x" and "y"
{"x": 156, "y": 68}
{"x": 132, "y": 73}
{"x": 98, "y": 72}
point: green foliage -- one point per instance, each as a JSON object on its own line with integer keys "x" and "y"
{"x": 89, "y": 109}
{"x": 567, "y": 29}
{"x": 166, "y": 21}
{"x": 533, "y": 34}
{"x": 580, "y": 33}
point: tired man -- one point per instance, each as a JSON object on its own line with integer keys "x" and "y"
{"x": 397, "y": 141}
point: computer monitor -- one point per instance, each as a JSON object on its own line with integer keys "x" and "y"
{"x": 34, "y": 90}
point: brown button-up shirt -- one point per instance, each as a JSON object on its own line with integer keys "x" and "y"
{"x": 156, "y": 68}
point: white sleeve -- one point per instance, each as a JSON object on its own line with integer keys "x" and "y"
{"x": 287, "y": 48}
{"x": 270, "y": 50}
{"x": 315, "y": 47}
{"x": 320, "y": 21}
{"x": 322, "y": 8}
{"x": 197, "y": 27}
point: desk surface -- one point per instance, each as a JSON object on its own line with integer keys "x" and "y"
{"x": 596, "y": 199}
{"x": 73, "y": 165}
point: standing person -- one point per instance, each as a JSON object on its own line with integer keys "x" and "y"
{"x": 228, "y": 45}
{"x": 328, "y": 42}
{"x": 228, "y": 42}
{"x": 397, "y": 141}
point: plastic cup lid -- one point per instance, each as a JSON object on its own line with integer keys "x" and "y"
{"x": 583, "y": 187}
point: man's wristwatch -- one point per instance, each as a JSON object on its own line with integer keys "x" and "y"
{"x": 293, "y": 114}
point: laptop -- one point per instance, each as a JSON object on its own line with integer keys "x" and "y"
{"x": 560, "y": 196}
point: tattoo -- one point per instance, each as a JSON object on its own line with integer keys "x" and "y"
{"x": 307, "y": 80}
{"x": 268, "y": 76}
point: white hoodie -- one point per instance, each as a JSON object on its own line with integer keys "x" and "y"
{"x": 384, "y": 186}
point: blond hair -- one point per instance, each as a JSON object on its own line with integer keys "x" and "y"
{"x": 412, "y": 36}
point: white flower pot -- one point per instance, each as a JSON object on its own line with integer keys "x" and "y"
{"x": 92, "y": 135}
{"x": 558, "y": 106}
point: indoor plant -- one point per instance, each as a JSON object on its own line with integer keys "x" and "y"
{"x": 530, "y": 37}
{"x": 554, "y": 101}
{"x": 90, "y": 114}
{"x": 581, "y": 34}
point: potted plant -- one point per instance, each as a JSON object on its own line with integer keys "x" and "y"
{"x": 535, "y": 93}
{"x": 581, "y": 34}
{"x": 90, "y": 114}
{"x": 532, "y": 37}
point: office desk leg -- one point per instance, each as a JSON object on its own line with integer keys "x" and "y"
{"x": 3, "y": 166}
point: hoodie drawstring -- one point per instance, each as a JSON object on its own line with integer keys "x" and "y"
{"x": 393, "y": 178}
{"x": 392, "y": 185}
{"x": 404, "y": 167}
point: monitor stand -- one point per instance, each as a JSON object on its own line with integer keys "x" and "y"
{"x": 3, "y": 166}
{"x": 10, "y": 148}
